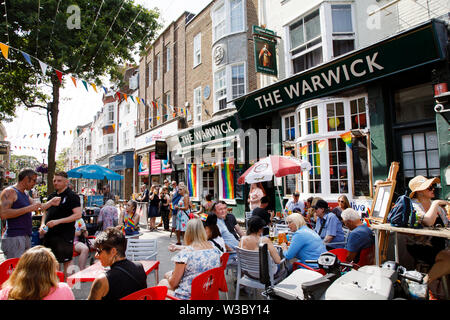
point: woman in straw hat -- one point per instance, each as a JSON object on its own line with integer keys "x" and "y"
{"x": 429, "y": 213}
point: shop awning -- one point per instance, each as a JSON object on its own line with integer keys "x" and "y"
{"x": 421, "y": 45}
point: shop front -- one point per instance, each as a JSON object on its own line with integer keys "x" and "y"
{"x": 209, "y": 155}
{"x": 351, "y": 117}
{"x": 123, "y": 164}
{"x": 148, "y": 169}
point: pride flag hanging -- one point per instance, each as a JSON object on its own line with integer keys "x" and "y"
{"x": 227, "y": 181}
{"x": 347, "y": 137}
{"x": 192, "y": 180}
{"x": 304, "y": 151}
{"x": 321, "y": 144}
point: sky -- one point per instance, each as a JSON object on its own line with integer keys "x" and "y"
{"x": 77, "y": 106}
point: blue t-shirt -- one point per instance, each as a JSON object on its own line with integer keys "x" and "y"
{"x": 305, "y": 245}
{"x": 227, "y": 236}
{"x": 332, "y": 227}
{"x": 360, "y": 238}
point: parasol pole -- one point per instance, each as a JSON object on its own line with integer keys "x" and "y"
{"x": 281, "y": 202}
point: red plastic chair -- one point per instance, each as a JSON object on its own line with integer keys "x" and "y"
{"x": 60, "y": 275}
{"x": 6, "y": 268}
{"x": 223, "y": 262}
{"x": 153, "y": 293}
{"x": 297, "y": 265}
{"x": 366, "y": 256}
{"x": 206, "y": 285}
{"x": 340, "y": 253}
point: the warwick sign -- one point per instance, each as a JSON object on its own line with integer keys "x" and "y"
{"x": 413, "y": 48}
{"x": 209, "y": 132}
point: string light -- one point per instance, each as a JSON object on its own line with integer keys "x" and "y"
{"x": 53, "y": 28}
{"x": 6, "y": 18}
{"x": 128, "y": 28}
{"x": 39, "y": 22}
{"x": 87, "y": 40}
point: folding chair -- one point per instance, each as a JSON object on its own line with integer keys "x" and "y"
{"x": 142, "y": 249}
{"x": 6, "y": 269}
{"x": 206, "y": 285}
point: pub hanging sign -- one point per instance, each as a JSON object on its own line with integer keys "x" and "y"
{"x": 265, "y": 50}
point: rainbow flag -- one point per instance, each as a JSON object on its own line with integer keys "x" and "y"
{"x": 131, "y": 223}
{"x": 203, "y": 217}
{"x": 304, "y": 151}
{"x": 192, "y": 179}
{"x": 321, "y": 144}
{"x": 228, "y": 181}
{"x": 347, "y": 137}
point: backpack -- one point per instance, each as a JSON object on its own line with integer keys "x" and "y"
{"x": 403, "y": 214}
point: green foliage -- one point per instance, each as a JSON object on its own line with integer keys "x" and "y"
{"x": 61, "y": 161}
{"x": 42, "y": 190}
{"x": 18, "y": 163}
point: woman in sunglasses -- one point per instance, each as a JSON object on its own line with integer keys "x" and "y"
{"x": 124, "y": 277}
{"x": 429, "y": 213}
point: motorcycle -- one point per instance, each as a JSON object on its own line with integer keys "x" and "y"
{"x": 390, "y": 281}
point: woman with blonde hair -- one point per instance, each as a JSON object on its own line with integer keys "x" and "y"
{"x": 306, "y": 244}
{"x": 183, "y": 211}
{"x": 35, "y": 278}
{"x": 198, "y": 256}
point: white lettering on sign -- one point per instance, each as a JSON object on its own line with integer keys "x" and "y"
{"x": 358, "y": 68}
{"x": 207, "y": 134}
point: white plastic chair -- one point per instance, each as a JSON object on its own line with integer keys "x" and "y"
{"x": 142, "y": 249}
{"x": 248, "y": 271}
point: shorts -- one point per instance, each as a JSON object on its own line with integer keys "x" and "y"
{"x": 61, "y": 248}
{"x": 14, "y": 247}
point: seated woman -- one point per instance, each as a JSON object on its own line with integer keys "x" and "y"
{"x": 81, "y": 243}
{"x": 108, "y": 216}
{"x": 254, "y": 238}
{"x": 198, "y": 256}
{"x": 306, "y": 244}
{"x": 34, "y": 278}
{"x": 124, "y": 277}
{"x": 129, "y": 220}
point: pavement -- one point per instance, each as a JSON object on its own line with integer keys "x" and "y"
{"x": 164, "y": 239}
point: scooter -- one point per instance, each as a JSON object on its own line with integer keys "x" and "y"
{"x": 390, "y": 281}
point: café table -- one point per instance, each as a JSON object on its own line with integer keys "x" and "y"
{"x": 426, "y": 231}
{"x": 92, "y": 272}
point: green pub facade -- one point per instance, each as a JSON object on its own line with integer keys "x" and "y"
{"x": 384, "y": 95}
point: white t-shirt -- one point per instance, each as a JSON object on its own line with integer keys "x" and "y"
{"x": 219, "y": 240}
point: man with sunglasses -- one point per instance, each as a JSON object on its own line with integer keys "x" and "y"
{"x": 16, "y": 208}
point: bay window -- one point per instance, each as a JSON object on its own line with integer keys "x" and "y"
{"x": 228, "y": 18}
{"x": 220, "y": 87}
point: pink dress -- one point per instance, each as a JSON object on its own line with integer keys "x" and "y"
{"x": 62, "y": 292}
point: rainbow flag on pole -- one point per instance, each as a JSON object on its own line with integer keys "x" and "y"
{"x": 304, "y": 151}
{"x": 192, "y": 179}
{"x": 347, "y": 137}
{"x": 228, "y": 181}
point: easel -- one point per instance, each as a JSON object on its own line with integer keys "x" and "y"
{"x": 384, "y": 235}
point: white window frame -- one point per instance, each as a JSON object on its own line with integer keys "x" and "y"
{"x": 216, "y": 89}
{"x": 331, "y": 36}
{"x": 158, "y": 66}
{"x": 126, "y": 138}
{"x": 243, "y": 64}
{"x": 222, "y": 22}
{"x": 227, "y": 19}
{"x": 168, "y": 58}
{"x": 197, "y": 49}
{"x": 197, "y": 105}
{"x": 283, "y": 126}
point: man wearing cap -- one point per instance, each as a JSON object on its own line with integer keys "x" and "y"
{"x": 328, "y": 226}
{"x": 428, "y": 213}
{"x": 295, "y": 204}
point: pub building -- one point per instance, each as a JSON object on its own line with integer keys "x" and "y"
{"x": 380, "y": 98}
{"x": 208, "y": 154}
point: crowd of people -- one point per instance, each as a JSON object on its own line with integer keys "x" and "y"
{"x": 202, "y": 234}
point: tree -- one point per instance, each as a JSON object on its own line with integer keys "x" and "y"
{"x": 62, "y": 160}
{"x": 87, "y": 40}
{"x": 18, "y": 163}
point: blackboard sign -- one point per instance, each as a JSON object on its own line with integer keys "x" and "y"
{"x": 161, "y": 150}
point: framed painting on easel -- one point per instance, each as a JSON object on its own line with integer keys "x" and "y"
{"x": 382, "y": 200}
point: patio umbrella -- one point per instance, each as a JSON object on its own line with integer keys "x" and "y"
{"x": 273, "y": 165}
{"x": 93, "y": 171}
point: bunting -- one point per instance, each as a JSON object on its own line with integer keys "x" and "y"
{"x": 321, "y": 144}
{"x": 5, "y": 50}
{"x": 304, "y": 151}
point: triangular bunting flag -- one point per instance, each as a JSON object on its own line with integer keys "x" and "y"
{"x": 132, "y": 99}
{"x": 59, "y": 74}
{"x": 93, "y": 86}
{"x": 37, "y": 136}
{"x": 125, "y": 95}
{"x": 138, "y": 100}
{"x": 45, "y": 134}
{"x": 5, "y": 50}
{"x": 321, "y": 144}
{"x": 104, "y": 89}
{"x": 64, "y": 133}
{"x": 74, "y": 81}
{"x": 118, "y": 94}
{"x": 27, "y": 57}
{"x": 85, "y": 85}
{"x": 43, "y": 67}
{"x": 143, "y": 101}
{"x": 70, "y": 132}
{"x": 153, "y": 103}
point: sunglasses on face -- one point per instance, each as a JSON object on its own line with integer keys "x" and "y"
{"x": 431, "y": 188}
